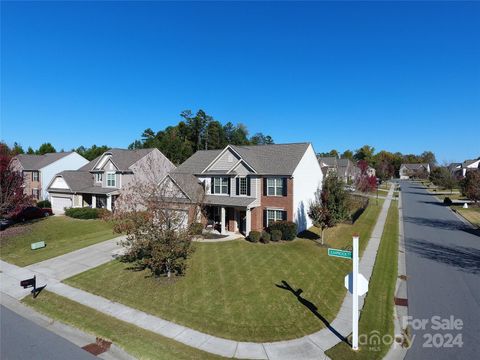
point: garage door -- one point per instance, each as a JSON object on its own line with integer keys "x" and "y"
{"x": 59, "y": 203}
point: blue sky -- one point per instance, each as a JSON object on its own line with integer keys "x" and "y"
{"x": 399, "y": 76}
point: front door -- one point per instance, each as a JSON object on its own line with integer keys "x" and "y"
{"x": 242, "y": 223}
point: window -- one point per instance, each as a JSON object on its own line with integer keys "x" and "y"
{"x": 111, "y": 179}
{"x": 220, "y": 185}
{"x": 242, "y": 184}
{"x": 35, "y": 176}
{"x": 35, "y": 193}
{"x": 274, "y": 215}
{"x": 275, "y": 187}
{"x": 98, "y": 177}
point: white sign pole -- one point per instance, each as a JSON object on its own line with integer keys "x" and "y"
{"x": 355, "y": 294}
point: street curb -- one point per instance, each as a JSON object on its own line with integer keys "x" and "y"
{"x": 69, "y": 333}
{"x": 397, "y": 350}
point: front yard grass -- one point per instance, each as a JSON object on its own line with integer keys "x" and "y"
{"x": 377, "y": 314}
{"x": 230, "y": 288}
{"x": 138, "y": 342}
{"x": 472, "y": 214}
{"x": 61, "y": 234}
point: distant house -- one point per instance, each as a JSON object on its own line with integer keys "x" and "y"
{"x": 99, "y": 183}
{"x": 344, "y": 168}
{"x": 246, "y": 188}
{"x": 408, "y": 171}
{"x": 328, "y": 164}
{"x": 470, "y": 165}
{"x": 39, "y": 170}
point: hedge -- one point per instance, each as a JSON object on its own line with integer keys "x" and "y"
{"x": 276, "y": 235}
{"x": 265, "y": 237}
{"x": 254, "y": 236}
{"x": 86, "y": 213}
{"x": 44, "y": 204}
{"x": 288, "y": 229}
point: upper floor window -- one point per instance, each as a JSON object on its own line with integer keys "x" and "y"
{"x": 275, "y": 186}
{"x": 98, "y": 177}
{"x": 242, "y": 186}
{"x": 220, "y": 185}
{"x": 111, "y": 179}
{"x": 35, "y": 175}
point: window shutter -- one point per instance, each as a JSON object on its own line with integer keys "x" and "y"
{"x": 248, "y": 186}
{"x": 229, "y": 181}
{"x": 265, "y": 219}
{"x": 264, "y": 186}
{"x": 212, "y": 190}
{"x": 285, "y": 182}
{"x": 284, "y": 215}
{"x": 237, "y": 186}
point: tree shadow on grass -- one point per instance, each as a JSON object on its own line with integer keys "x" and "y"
{"x": 309, "y": 235}
{"x": 463, "y": 258}
{"x": 312, "y": 307}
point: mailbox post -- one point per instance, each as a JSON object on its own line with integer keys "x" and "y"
{"x": 32, "y": 282}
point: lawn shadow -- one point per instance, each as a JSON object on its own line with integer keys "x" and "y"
{"x": 312, "y": 307}
{"x": 309, "y": 235}
{"x": 463, "y": 258}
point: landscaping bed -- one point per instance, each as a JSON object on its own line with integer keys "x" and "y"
{"x": 61, "y": 235}
{"x": 377, "y": 314}
{"x": 230, "y": 288}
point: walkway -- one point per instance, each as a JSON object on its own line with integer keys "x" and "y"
{"x": 308, "y": 347}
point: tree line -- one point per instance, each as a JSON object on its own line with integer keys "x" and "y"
{"x": 196, "y": 131}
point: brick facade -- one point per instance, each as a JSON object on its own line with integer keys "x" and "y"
{"x": 30, "y": 185}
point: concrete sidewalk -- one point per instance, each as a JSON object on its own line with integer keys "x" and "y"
{"x": 312, "y": 346}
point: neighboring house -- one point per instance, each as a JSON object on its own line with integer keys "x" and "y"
{"x": 329, "y": 165}
{"x": 455, "y": 168}
{"x": 347, "y": 170}
{"x": 39, "y": 170}
{"x": 99, "y": 183}
{"x": 246, "y": 188}
{"x": 371, "y": 171}
{"x": 408, "y": 171}
{"x": 470, "y": 165}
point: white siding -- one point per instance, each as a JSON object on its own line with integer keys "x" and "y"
{"x": 307, "y": 179}
{"x": 225, "y": 162}
{"x": 59, "y": 183}
{"x": 72, "y": 161}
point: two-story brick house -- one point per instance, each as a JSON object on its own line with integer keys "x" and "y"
{"x": 246, "y": 188}
{"x": 38, "y": 170}
{"x": 99, "y": 183}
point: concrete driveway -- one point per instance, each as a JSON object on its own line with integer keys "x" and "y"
{"x": 443, "y": 269}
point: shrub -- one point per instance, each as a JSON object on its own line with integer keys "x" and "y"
{"x": 447, "y": 201}
{"x": 265, "y": 237}
{"x": 86, "y": 213}
{"x": 254, "y": 236}
{"x": 288, "y": 229}
{"x": 276, "y": 235}
{"x": 44, "y": 204}
{"x": 196, "y": 228}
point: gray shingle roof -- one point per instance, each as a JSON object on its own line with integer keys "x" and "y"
{"x": 189, "y": 184}
{"x": 276, "y": 159}
{"x": 76, "y": 179}
{"x": 228, "y": 200}
{"x": 415, "y": 166}
{"x": 468, "y": 162}
{"x": 36, "y": 162}
{"x": 124, "y": 158}
{"x": 328, "y": 161}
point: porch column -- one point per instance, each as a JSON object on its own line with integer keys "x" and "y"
{"x": 222, "y": 220}
{"x": 248, "y": 222}
{"x": 109, "y": 202}
{"x": 94, "y": 201}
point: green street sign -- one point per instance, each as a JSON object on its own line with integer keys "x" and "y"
{"x": 38, "y": 245}
{"x": 345, "y": 254}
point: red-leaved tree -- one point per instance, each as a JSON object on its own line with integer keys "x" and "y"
{"x": 365, "y": 182}
{"x": 11, "y": 184}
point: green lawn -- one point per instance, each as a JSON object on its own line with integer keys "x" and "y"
{"x": 230, "y": 288}
{"x": 61, "y": 234}
{"x": 472, "y": 214}
{"x": 377, "y": 314}
{"x": 140, "y": 343}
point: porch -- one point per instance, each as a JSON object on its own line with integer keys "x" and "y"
{"x": 228, "y": 219}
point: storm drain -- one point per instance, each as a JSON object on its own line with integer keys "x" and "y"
{"x": 98, "y": 347}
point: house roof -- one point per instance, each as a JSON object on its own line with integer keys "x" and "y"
{"x": 228, "y": 201}
{"x": 415, "y": 166}
{"x": 275, "y": 159}
{"x": 467, "y": 163}
{"x": 327, "y": 160}
{"x": 122, "y": 158}
{"x": 37, "y": 162}
{"x": 189, "y": 184}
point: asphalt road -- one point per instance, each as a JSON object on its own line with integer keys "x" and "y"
{"x": 21, "y": 339}
{"x": 443, "y": 269}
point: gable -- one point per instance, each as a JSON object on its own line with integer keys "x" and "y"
{"x": 59, "y": 183}
{"x": 225, "y": 162}
{"x": 171, "y": 189}
{"x": 109, "y": 166}
{"x": 473, "y": 165}
{"x": 241, "y": 169}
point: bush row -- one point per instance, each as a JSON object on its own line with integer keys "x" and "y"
{"x": 44, "y": 204}
{"x": 279, "y": 230}
{"x": 86, "y": 213}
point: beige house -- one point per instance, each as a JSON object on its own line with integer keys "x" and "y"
{"x": 99, "y": 183}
